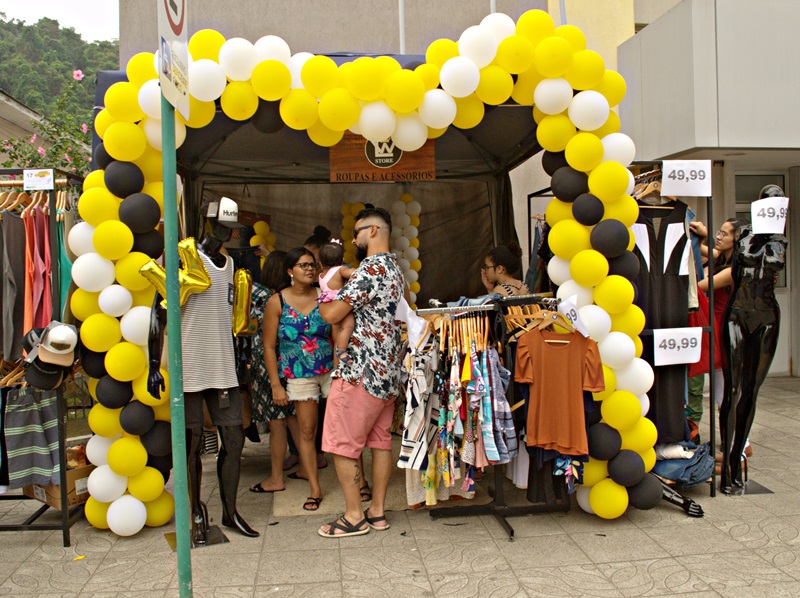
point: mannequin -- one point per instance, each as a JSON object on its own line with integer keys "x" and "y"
{"x": 750, "y": 336}
{"x": 218, "y": 389}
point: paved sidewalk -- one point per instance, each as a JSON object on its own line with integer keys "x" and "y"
{"x": 744, "y": 546}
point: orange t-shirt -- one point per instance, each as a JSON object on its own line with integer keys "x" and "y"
{"x": 558, "y": 374}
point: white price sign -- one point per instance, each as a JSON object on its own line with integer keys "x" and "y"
{"x": 173, "y": 68}
{"x": 40, "y": 179}
{"x": 570, "y": 311}
{"x": 686, "y": 178}
{"x": 677, "y": 345}
{"x": 769, "y": 215}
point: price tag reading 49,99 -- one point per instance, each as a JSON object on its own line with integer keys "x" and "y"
{"x": 686, "y": 178}
{"x": 677, "y": 345}
{"x": 769, "y": 215}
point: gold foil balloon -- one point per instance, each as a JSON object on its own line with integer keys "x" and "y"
{"x": 192, "y": 277}
{"x": 242, "y": 291}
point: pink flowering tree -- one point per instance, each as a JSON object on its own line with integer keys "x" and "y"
{"x": 62, "y": 139}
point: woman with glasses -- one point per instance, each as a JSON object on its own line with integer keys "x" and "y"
{"x": 500, "y": 269}
{"x": 304, "y": 358}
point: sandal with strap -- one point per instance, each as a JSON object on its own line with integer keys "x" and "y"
{"x": 312, "y": 503}
{"x": 344, "y": 356}
{"x": 371, "y": 521}
{"x": 347, "y": 529}
{"x": 366, "y": 493}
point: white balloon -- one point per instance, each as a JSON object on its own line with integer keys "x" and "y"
{"x": 296, "y": 63}
{"x": 238, "y": 58}
{"x": 619, "y": 148}
{"x": 617, "y": 350}
{"x": 152, "y": 130}
{"x": 411, "y": 276}
{"x": 588, "y": 110}
{"x": 644, "y": 401}
{"x": 501, "y": 25}
{"x": 97, "y": 449}
{"x": 126, "y": 516}
{"x": 115, "y": 300}
{"x": 552, "y": 96}
{"x": 459, "y": 76}
{"x": 401, "y": 221}
{"x": 410, "y": 232}
{"x": 596, "y": 320}
{"x": 438, "y": 109}
{"x": 80, "y": 238}
{"x": 410, "y": 253}
{"x": 637, "y": 377}
{"x": 135, "y": 325}
{"x": 150, "y": 98}
{"x": 404, "y": 264}
{"x": 479, "y": 44}
{"x": 412, "y": 296}
{"x": 402, "y": 244}
{"x": 356, "y": 129}
{"x": 414, "y": 208}
{"x": 398, "y": 207}
{"x": 206, "y": 80}
{"x": 631, "y": 183}
{"x": 272, "y": 47}
{"x": 410, "y": 133}
{"x": 570, "y": 288}
{"x": 106, "y": 486}
{"x": 92, "y": 272}
{"x": 558, "y": 270}
{"x": 377, "y": 121}
{"x": 582, "y": 495}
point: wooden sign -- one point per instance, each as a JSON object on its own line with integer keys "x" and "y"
{"x": 356, "y": 160}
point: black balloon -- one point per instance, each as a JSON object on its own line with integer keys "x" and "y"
{"x": 611, "y": 238}
{"x": 123, "y": 178}
{"x": 604, "y": 442}
{"x": 627, "y": 468}
{"x": 646, "y": 494}
{"x": 552, "y": 161}
{"x": 101, "y": 158}
{"x": 594, "y": 417}
{"x": 587, "y": 209}
{"x": 94, "y": 364}
{"x": 626, "y": 265}
{"x": 158, "y": 440}
{"x": 267, "y": 118}
{"x": 113, "y": 393}
{"x": 137, "y": 418}
{"x": 150, "y": 243}
{"x": 163, "y": 464}
{"x": 567, "y": 183}
{"x": 140, "y": 212}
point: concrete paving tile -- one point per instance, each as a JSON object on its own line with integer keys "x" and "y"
{"x": 92, "y": 544}
{"x": 570, "y": 581}
{"x": 213, "y": 570}
{"x": 224, "y": 592}
{"x": 729, "y": 508}
{"x": 733, "y": 569}
{"x": 498, "y": 584}
{"x": 299, "y": 566}
{"x": 18, "y": 546}
{"x": 775, "y": 590}
{"x": 150, "y": 541}
{"x": 763, "y": 532}
{"x": 577, "y": 520}
{"x": 302, "y": 590}
{"x": 427, "y": 529}
{"x": 7, "y": 568}
{"x": 135, "y": 594}
{"x": 655, "y": 577}
{"x": 701, "y": 538}
{"x": 618, "y": 545}
{"x": 52, "y": 578}
{"x": 542, "y": 524}
{"x": 132, "y": 574}
{"x": 786, "y": 558}
{"x": 391, "y": 587}
{"x": 543, "y": 551}
{"x": 288, "y": 533}
{"x": 780, "y": 503}
{"x": 462, "y": 557}
{"x": 359, "y": 564}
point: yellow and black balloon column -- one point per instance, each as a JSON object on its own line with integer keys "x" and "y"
{"x": 405, "y": 240}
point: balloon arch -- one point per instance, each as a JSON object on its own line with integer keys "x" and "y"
{"x": 530, "y": 62}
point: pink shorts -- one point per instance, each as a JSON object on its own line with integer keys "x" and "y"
{"x": 354, "y": 419}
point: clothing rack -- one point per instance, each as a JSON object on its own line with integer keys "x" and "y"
{"x": 498, "y": 506}
{"x": 68, "y": 518}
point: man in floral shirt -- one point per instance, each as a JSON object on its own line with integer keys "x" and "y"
{"x": 361, "y": 400}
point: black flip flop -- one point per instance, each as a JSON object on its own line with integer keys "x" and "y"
{"x": 296, "y": 476}
{"x": 259, "y": 489}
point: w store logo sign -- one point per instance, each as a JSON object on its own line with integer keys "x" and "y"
{"x": 383, "y": 154}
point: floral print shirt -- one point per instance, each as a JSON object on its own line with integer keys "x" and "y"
{"x": 305, "y": 346}
{"x": 374, "y": 290}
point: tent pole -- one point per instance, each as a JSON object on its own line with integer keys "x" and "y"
{"x": 401, "y": 14}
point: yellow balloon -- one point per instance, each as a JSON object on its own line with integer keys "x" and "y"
{"x": 122, "y": 101}
{"x": 613, "y": 87}
{"x": 206, "y": 44}
{"x": 160, "y": 510}
{"x": 608, "y": 181}
{"x": 257, "y": 240}
{"x": 299, "y": 109}
{"x": 429, "y": 73}
{"x": 150, "y": 163}
{"x": 356, "y": 207}
{"x": 162, "y": 412}
{"x": 584, "y": 151}
{"x": 612, "y": 125}
{"x": 102, "y": 121}
{"x": 588, "y": 267}
{"x": 554, "y": 132}
{"x": 404, "y": 91}
{"x": 594, "y": 471}
{"x": 557, "y": 211}
{"x": 365, "y": 79}
{"x": 99, "y": 333}
{"x": 621, "y": 410}
{"x": 416, "y": 265}
{"x": 388, "y": 64}
{"x": 637, "y": 342}
{"x": 200, "y": 115}
{"x": 261, "y": 228}
{"x": 626, "y": 210}
{"x": 96, "y": 178}
{"x": 535, "y": 25}
{"x": 338, "y": 111}
{"x": 414, "y": 242}
{"x": 96, "y": 513}
{"x": 469, "y": 112}
{"x": 515, "y": 54}
{"x": 98, "y": 205}
{"x": 144, "y": 298}
{"x": 271, "y": 80}
{"x": 127, "y": 456}
{"x": 573, "y": 35}
{"x": 631, "y": 321}
{"x": 127, "y": 271}
{"x": 525, "y": 86}
{"x": 319, "y": 75}
{"x": 552, "y": 56}
{"x": 92, "y": 387}
{"x": 323, "y": 136}
{"x": 610, "y": 381}
{"x": 83, "y": 304}
{"x": 608, "y": 499}
{"x": 436, "y": 133}
{"x": 440, "y": 51}
{"x": 124, "y": 141}
{"x": 104, "y": 421}
{"x": 495, "y": 85}
{"x": 155, "y": 189}
{"x": 143, "y": 395}
{"x": 239, "y": 101}
{"x": 614, "y": 294}
{"x": 146, "y": 485}
{"x": 632, "y": 241}
{"x": 586, "y": 70}
{"x": 112, "y": 239}
{"x": 414, "y": 288}
{"x": 567, "y": 238}
{"x": 125, "y": 361}
{"x": 414, "y": 220}
{"x": 538, "y": 115}
{"x": 271, "y": 241}
{"x": 649, "y": 458}
{"x": 140, "y": 68}
{"x": 641, "y": 437}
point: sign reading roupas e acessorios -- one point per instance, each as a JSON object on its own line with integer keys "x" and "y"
{"x": 356, "y": 160}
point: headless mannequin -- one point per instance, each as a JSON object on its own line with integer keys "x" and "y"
{"x": 231, "y": 436}
{"x": 750, "y": 335}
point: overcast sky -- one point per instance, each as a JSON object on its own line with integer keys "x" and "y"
{"x": 93, "y": 19}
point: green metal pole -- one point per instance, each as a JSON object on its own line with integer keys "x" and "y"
{"x": 182, "y": 527}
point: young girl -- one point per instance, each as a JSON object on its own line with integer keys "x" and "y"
{"x": 333, "y": 277}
